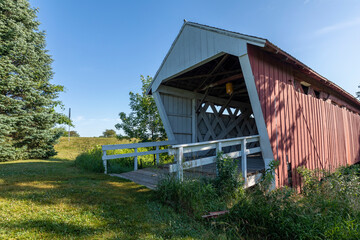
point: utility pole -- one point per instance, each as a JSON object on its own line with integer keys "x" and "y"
{"x": 69, "y": 124}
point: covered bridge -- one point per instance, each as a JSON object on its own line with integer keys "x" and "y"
{"x": 216, "y": 84}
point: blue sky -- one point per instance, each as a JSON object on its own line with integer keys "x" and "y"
{"x": 100, "y": 48}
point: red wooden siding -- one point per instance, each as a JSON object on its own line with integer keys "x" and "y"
{"x": 303, "y": 130}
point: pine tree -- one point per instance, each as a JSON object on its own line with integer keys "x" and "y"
{"x": 27, "y": 98}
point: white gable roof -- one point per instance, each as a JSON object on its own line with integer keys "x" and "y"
{"x": 197, "y": 44}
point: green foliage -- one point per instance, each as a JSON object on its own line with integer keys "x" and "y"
{"x": 72, "y": 134}
{"x": 327, "y": 209}
{"x": 358, "y": 93}
{"x": 27, "y": 98}
{"x": 144, "y": 122}
{"x": 109, "y": 133}
{"x": 91, "y": 160}
{"x": 196, "y": 196}
{"x": 228, "y": 181}
{"x": 199, "y": 196}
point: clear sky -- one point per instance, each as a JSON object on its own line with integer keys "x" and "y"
{"x": 100, "y": 48}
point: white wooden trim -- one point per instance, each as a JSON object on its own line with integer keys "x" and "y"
{"x": 136, "y": 145}
{"x": 252, "y": 180}
{"x": 251, "y": 39}
{"x": 104, "y": 162}
{"x": 135, "y": 154}
{"x": 257, "y": 111}
{"x": 158, "y": 156}
{"x": 135, "y": 160}
{"x": 193, "y": 164}
{"x": 243, "y": 39}
{"x": 244, "y": 160}
{"x": 180, "y": 158}
{"x": 163, "y": 115}
{"x": 203, "y": 146}
{"x": 256, "y": 107}
{"x": 231, "y": 141}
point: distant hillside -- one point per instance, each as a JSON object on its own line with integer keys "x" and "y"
{"x": 77, "y": 145}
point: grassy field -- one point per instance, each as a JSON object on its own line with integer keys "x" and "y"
{"x": 71, "y": 149}
{"x": 52, "y": 199}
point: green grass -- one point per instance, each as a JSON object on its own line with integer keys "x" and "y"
{"x": 71, "y": 149}
{"x": 52, "y": 199}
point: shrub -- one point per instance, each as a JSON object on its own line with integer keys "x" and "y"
{"x": 199, "y": 196}
{"x": 91, "y": 160}
{"x": 194, "y": 196}
{"x": 327, "y": 209}
{"x": 228, "y": 181}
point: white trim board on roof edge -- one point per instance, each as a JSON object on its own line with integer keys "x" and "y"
{"x": 195, "y": 45}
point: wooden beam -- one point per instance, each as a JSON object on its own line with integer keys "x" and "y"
{"x": 225, "y": 106}
{"x": 193, "y": 120}
{"x": 202, "y": 100}
{"x": 222, "y": 81}
{"x": 214, "y": 70}
{"x": 189, "y": 94}
{"x": 163, "y": 115}
{"x": 204, "y": 76}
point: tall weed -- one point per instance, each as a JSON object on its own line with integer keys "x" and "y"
{"x": 201, "y": 195}
{"x": 326, "y": 209}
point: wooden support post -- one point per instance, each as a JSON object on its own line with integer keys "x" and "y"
{"x": 218, "y": 151}
{"x": 180, "y": 156}
{"x": 104, "y": 161}
{"x": 157, "y": 155}
{"x": 135, "y": 160}
{"x": 244, "y": 160}
{"x": 193, "y": 120}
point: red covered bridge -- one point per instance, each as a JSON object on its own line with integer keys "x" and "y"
{"x": 218, "y": 90}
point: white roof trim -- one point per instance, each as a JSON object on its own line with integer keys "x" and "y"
{"x": 250, "y": 39}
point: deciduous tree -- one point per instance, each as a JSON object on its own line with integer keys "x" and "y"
{"x": 143, "y": 122}
{"x": 109, "y": 133}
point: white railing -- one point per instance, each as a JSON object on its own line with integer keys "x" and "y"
{"x": 135, "y": 154}
{"x": 181, "y": 149}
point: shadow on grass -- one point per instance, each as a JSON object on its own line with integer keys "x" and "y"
{"x": 51, "y": 193}
{"x": 50, "y": 226}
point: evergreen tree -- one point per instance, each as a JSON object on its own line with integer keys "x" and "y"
{"x": 27, "y": 98}
{"x": 144, "y": 122}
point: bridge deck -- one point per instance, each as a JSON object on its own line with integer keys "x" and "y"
{"x": 149, "y": 177}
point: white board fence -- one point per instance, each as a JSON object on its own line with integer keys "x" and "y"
{"x": 135, "y": 154}
{"x": 181, "y": 149}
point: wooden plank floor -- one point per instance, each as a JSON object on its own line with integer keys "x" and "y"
{"x": 149, "y": 177}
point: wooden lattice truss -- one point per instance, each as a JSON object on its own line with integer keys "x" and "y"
{"x": 220, "y": 122}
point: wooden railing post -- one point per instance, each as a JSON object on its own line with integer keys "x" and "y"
{"x": 218, "y": 151}
{"x": 157, "y": 155}
{"x": 180, "y": 156}
{"x": 104, "y": 161}
{"x": 244, "y": 160}
{"x": 135, "y": 160}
